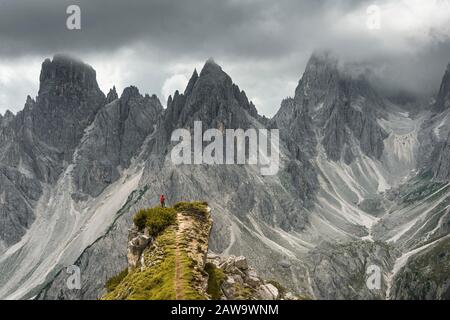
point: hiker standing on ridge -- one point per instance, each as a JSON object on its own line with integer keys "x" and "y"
{"x": 162, "y": 200}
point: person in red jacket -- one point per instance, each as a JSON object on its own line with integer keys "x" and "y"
{"x": 162, "y": 200}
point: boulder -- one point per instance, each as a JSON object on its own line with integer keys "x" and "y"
{"x": 253, "y": 281}
{"x": 290, "y": 296}
{"x": 135, "y": 248}
{"x": 268, "y": 292}
{"x": 251, "y": 272}
{"x": 228, "y": 288}
{"x": 241, "y": 263}
{"x": 238, "y": 279}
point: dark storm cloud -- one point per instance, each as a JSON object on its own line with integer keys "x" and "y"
{"x": 263, "y": 44}
{"x": 236, "y": 27}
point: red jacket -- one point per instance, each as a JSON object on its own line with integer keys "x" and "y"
{"x": 162, "y": 198}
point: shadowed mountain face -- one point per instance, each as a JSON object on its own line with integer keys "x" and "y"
{"x": 212, "y": 98}
{"x": 443, "y": 97}
{"x": 361, "y": 182}
{"x": 39, "y": 141}
{"x": 340, "y": 106}
{"x": 114, "y": 138}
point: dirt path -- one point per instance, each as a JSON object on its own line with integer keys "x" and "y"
{"x": 178, "y": 279}
{"x": 182, "y": 225}
{"x": 186, "y": 241}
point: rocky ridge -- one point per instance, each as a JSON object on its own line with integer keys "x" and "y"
{"x": 209, "y": 276}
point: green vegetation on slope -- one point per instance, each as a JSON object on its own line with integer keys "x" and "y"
{"x": 192, "y": 208}
{"x": 420, "y": 188}
{"x": 112, "y": 283}
{"x": 159, "y": 278}
{"x": 215, "y": 280}
{"x": 155, "y": 219}
{"x": 153, "y": 283}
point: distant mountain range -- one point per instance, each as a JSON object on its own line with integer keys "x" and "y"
{"x": 363, "y": 181}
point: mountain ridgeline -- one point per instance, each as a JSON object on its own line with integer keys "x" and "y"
{"x": 362, "y": 181}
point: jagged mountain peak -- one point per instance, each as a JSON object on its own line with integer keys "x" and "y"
{"x": 8, "y": 116}
{"x": 30, "y": 99}
{"x": 191, "y": 83}
{"x": 64, "y": 58}
{"x": 336, "y": 105}
{"x": 130, "y": 92}
{"x": 213, "y": 70}
{"x": 65, "y": 70}
{"x": 321, "y": 62}
{"x": 443, "y": 97}
{"x": 112, "y": 95}
{"x": 325, "y": 78}
{"x": 67, "y": 101}
{"x": 320, "y": 79}
{"x": 323, "y": 58}
{"x": 132, "y": 95}
{"x": 212, "y": 97}
{"x": 210, "y": 61}
{"x": 29, "y": 103}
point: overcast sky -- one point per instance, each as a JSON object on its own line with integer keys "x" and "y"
{"x": 263, "y": 45}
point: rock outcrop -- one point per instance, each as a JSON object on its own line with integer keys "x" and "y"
{"x": 435, "y": 136}
{"x": 137, "y": 242}
{"x": 175, "y": 265}
{"x": 443, "y": 98}
{"x": 426, "y": 275}
{"x": 239, "y": 281}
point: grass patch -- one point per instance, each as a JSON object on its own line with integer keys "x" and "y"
{"x": 242, "y": 292}
{"x": 215, "y": 280}
{"x": 155, "y": 283}
{"x": 113, "y": 282}
{"x": 156, "y": 220}
{"x": 193, "y": 208}
{"x": 189, "y": 279}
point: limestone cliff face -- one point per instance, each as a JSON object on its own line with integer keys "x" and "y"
{"x": 38, "y": 142}
{"x": 174, "y": 265}
{"x": 443, "y": 97}
{"x": 341, "y": 107}
{"x": 115, "y": 137}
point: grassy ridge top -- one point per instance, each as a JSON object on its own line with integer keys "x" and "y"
{"x": 173, "y": 263}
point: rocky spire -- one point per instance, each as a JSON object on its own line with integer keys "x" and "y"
{"x": 191, "y": 83}
{"x": 65, "y": 73}
{"x": 334, "y": 100}
{"x": 319, "y": 80}
{"x": 169, "y": 101}
{"x": 112, "y": 95}
{"x": 6, "y": 118}
{"x": 68, "y": 99}
{"x": 443, "y": 97}
{"x": 129, "y": 93}
{"x": 8, "y": 115}
{"x": 211, "y": 97}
